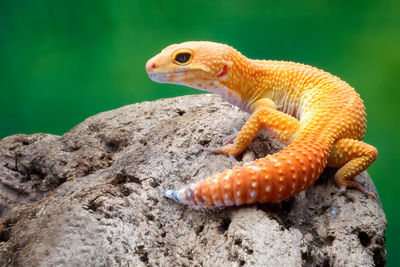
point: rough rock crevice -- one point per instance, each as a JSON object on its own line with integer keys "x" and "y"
{"x": 93, "y": 197}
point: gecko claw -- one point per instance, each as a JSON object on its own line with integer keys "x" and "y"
{"x": 370, "y": 194}
{"x": 341, "y": 191}
{"x": 230, "y": 138}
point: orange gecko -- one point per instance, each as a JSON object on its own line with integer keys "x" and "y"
{"x": 319, "y": 117}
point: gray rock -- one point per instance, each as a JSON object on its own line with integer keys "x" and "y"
{"x": 92, "y": 197}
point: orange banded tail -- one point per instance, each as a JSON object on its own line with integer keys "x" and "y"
{"x": 272, "y": 178}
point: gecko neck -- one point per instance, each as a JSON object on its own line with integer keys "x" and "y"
{"x": 249, "y": 80}
{"x": 252, "y": 80}
{"x": 234, "y": 86}
{"x": 245, "y": 83}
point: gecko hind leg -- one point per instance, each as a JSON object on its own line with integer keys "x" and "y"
{"x": 351, "y": 157}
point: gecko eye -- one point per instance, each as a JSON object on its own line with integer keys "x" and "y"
{"x": 182, "y": 58}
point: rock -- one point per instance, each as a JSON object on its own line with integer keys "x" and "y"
{"x": 92, "y": 197}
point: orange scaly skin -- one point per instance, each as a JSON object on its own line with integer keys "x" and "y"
{"x": 320, "y": 117}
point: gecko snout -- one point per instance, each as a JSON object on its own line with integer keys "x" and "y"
{"x": 150, "y": 66}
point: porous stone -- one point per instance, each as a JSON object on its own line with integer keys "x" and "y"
{"x": 92, "y": 197}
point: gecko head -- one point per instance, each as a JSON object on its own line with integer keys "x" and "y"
{"x": 201, "y": 65}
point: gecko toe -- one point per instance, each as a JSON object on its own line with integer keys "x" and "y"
{"x": 341, "y": 191}
{"x": 370, "y": 194}
{"x": 227, "y": 150}
{"x": 230, "y": 138}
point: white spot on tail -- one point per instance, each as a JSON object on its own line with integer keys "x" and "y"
{"x": 272, "y": 159}
{"x": 254, "y": 168}
{"x": 228, "y": 174}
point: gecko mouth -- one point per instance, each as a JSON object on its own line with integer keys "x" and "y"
{"x": 164, "y": 77}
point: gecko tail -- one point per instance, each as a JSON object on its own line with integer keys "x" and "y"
{"x": 171, "y": 194}
{"x": 184, "y": 195}
{"x": 268, "y": 179}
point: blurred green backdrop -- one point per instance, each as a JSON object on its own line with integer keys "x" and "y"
{"x": 63, "y": 61}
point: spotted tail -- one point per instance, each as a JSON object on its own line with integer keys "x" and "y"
{"x": 272, "y": 178}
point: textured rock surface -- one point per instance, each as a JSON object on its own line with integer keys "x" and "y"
{"x": 93, "y": 197}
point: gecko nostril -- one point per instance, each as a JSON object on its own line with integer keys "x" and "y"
{"x": 154, "y": 66}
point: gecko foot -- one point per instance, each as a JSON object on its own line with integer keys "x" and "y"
{"x": 358, "y": 187}
{"x": 227, "y": 150}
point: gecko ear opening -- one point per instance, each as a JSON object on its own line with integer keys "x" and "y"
{"x": 223, "y": 72}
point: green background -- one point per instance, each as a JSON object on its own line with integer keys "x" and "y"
{"x": 63, "y": 61}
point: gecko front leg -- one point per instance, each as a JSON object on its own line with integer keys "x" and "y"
{"x": 265, "y": 115}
